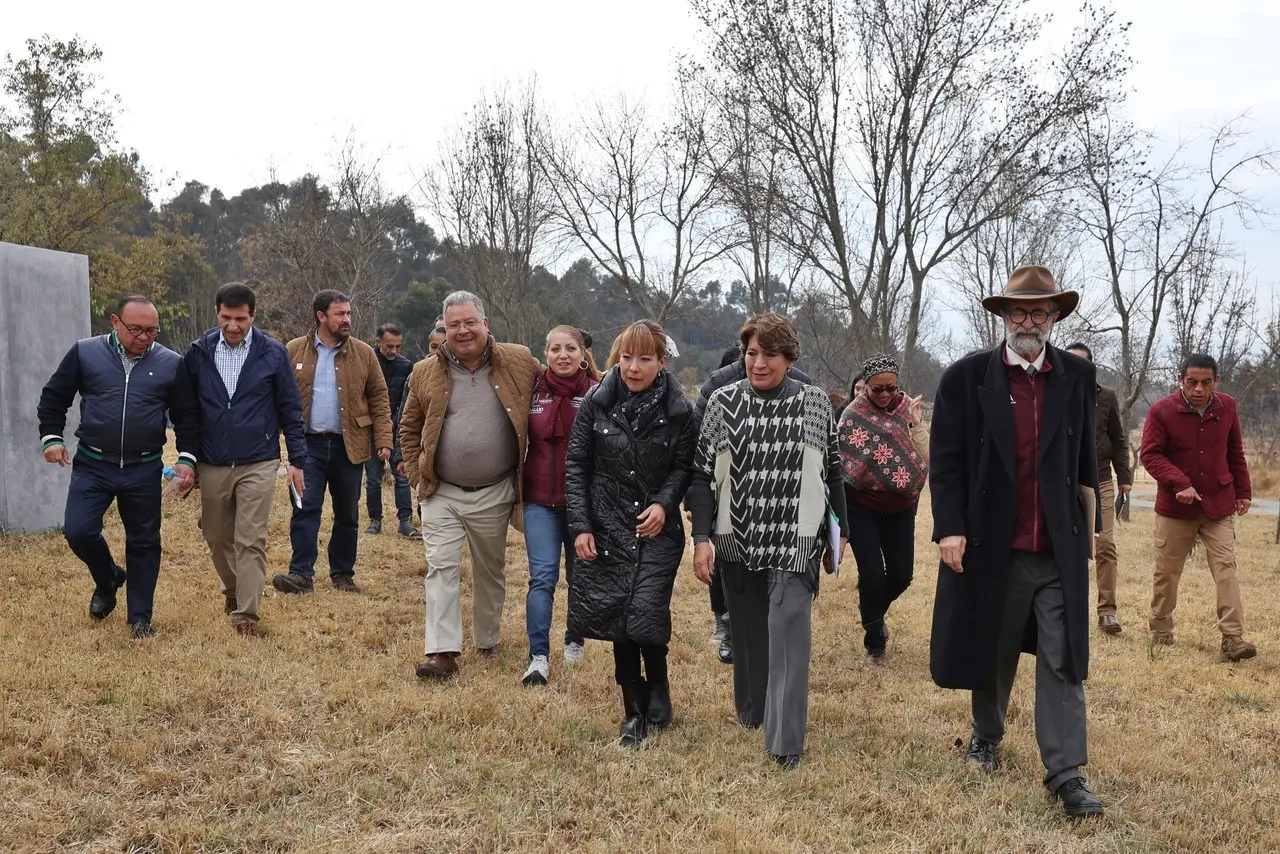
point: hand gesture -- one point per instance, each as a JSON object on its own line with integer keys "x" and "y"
{"x": 384, "y": 454}
{"x": 1188, "y": 495}
{"x": 952, "y": 551}
{"x": 704, "y": 561}
{"x": 651, "y": 520}
{"x": 56, "y": 454}
{"x": 585, "y": 546}
{"x": 1242, "y": 506}
{"x": 402, "y": 469}
{"x": 915, "y": 411}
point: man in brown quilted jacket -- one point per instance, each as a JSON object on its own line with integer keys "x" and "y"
{"x": 344, "y": 396}
{"x": 463, "y": 433}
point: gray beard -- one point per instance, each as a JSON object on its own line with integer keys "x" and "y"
{"x": 1026, "y": 346}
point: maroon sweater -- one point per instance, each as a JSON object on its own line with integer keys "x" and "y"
{"x": 544, "y": 463}
{"x": 1181, "y": 448}
{"x": 1030, "y": 531}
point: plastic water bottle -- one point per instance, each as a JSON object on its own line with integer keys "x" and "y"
{"x": 169, "y": 473}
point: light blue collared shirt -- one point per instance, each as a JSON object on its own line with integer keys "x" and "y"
{"x": 326, "y": 416}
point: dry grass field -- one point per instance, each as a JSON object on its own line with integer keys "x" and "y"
{"x": 318, "y": 738}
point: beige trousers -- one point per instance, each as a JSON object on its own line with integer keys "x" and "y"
{"x": 1173, "y": 541}
{"x": 1105, "y": 553}
{"x": 235, "y": 506}
{"x": 450, "y": 517}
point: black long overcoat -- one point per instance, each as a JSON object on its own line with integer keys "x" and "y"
{"x": 612, "y": 473}
{"x": 972, "y": 482}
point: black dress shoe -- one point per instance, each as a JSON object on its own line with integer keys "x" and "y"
{"x": 143, "y": 629}
{"x": 788, "y": 763}
{"x": 1077, "y": 800}
{"x": 981, "y": 754}
{"x": 102, "y": 603}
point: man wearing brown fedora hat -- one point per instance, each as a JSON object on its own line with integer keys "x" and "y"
{"x": 1013, "y": 483}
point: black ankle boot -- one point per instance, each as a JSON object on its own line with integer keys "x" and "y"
{"x": 659, "y": 710}
{"x": 635, "y": 703}
{"x": 725, "y": 652}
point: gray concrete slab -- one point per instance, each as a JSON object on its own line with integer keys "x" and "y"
{"x": 46, "y": 310}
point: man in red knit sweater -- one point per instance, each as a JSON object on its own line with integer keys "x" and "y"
{"x": 1191, "y": 445}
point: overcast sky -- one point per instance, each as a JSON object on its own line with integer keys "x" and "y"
{"x": 222, "y": 93}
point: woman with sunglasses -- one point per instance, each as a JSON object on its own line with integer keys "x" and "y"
{"x": 884, "y": 452}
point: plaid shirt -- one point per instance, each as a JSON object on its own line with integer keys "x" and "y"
{"x": 125, "y": 359}
{"x": 231, "y": 359}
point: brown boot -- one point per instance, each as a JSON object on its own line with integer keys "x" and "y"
{"x": 1162, "y": 638}
{"x": 229, "y": 603}
{"x": 1109, "y": 624}
{"x": 246, "y": 627}
{"x": 438, "y": 666}
{"x": 1236, "y": 648}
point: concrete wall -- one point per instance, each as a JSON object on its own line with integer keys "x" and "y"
{"x": 44, "y": 297}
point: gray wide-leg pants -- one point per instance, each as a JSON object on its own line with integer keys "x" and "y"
{"x": 772, "y": 640}
{"x": 1036, "y": 587}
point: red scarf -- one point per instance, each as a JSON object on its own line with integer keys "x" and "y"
{"x": 563, "y": 391}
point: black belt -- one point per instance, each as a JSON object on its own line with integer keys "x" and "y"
{"x": 472, "y": 488}
{"x": 325, "y": 435}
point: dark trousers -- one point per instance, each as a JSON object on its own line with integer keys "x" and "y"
{"x": 716, "y": 589}
{"x": 136, "y": 489}
{"x": 373, "y": 469}
{"x": 626, "y": 663}
{"x": 772, "y": 642}
{"x": 884, "y": 546}
{"x": 327, "y": 465}
{"x": 1035, "y": 587}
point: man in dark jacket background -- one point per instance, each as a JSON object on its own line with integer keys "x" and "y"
{"x": 1112, "y": 445}
{"x": 396, "y": 368}
{"x": 1192, "y": 446}
{"x": 1010, "y": 451}
{"x": 129, "y": 388}
{"x": 247, "y": 396}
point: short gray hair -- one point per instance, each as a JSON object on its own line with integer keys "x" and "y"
{"x": 461, "y": 298}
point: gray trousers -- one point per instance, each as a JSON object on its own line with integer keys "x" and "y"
{"x": 772, "y": 638}
{"x": 1036, "y": 587}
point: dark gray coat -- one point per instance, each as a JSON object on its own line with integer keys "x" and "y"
{"x": 972, "y": 486}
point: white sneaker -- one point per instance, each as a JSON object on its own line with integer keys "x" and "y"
{"x": 539, "y": 670}
{"x": 573, "y": 653}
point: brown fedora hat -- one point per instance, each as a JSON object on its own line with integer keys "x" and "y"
{"x": 1032, "y": 283}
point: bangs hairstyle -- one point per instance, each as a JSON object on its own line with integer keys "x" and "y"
{"x": 642, "y": 338}
{"x": 773, "y": 333}
{"x": 578, "y": 335}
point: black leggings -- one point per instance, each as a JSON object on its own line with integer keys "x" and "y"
{"x": 626, "y": 663}
{"x": 884, "y": 547}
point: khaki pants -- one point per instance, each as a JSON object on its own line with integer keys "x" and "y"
{"x": 1173, "y": 540}
{"x": 235, "y": 506}
{"x": 450, "y": 517}
{"x": 1105, "y": 553}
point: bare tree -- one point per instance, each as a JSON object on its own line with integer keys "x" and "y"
{"x": 640, "y": 199}
{"x": 1150, "y": 225}
{"x": 1213, "y": 305}
{"x": 494, "y": 203}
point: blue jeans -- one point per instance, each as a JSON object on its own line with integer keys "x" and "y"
{"x": 327, "y": 465}
{"x": 373, "y": 491}
{"x": 136, "y": 489}
{"x": 546, "y": 535}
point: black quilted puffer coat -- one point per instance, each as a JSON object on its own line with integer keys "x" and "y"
{"x": 611, "y": 475}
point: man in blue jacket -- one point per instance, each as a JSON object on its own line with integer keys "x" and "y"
{"x": 129, "y": 388}
{"x": 247, "y": 397}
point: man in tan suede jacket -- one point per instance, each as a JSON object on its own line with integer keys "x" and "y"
{"x": 463, "y": 432}
{"x": 344, "y": 396}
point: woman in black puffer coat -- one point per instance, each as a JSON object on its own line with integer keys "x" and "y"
{"x": 628, "y": 466}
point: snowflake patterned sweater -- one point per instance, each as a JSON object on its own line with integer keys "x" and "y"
{"x": 766, "y": 469}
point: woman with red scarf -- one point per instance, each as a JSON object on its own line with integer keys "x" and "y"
{"x": 884, "y": 451}
{"x": 557, "y": 393}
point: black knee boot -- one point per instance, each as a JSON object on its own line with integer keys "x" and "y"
{"x": 635, "y": 704}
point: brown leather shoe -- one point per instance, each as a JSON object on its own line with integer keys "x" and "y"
{"x": 229, "y": 603}
{"x": 438, "y": 666}
{"x": 345, "y": 583}
{"x": 1109, "y": 624}
{"x": 488, "y": 652}
{"x": 247, "y": 627}
{"x": 1163, "y": 638}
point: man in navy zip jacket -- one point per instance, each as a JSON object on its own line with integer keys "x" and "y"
{"x": 129, "y": 387}
{"x": 246, "y": 397}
